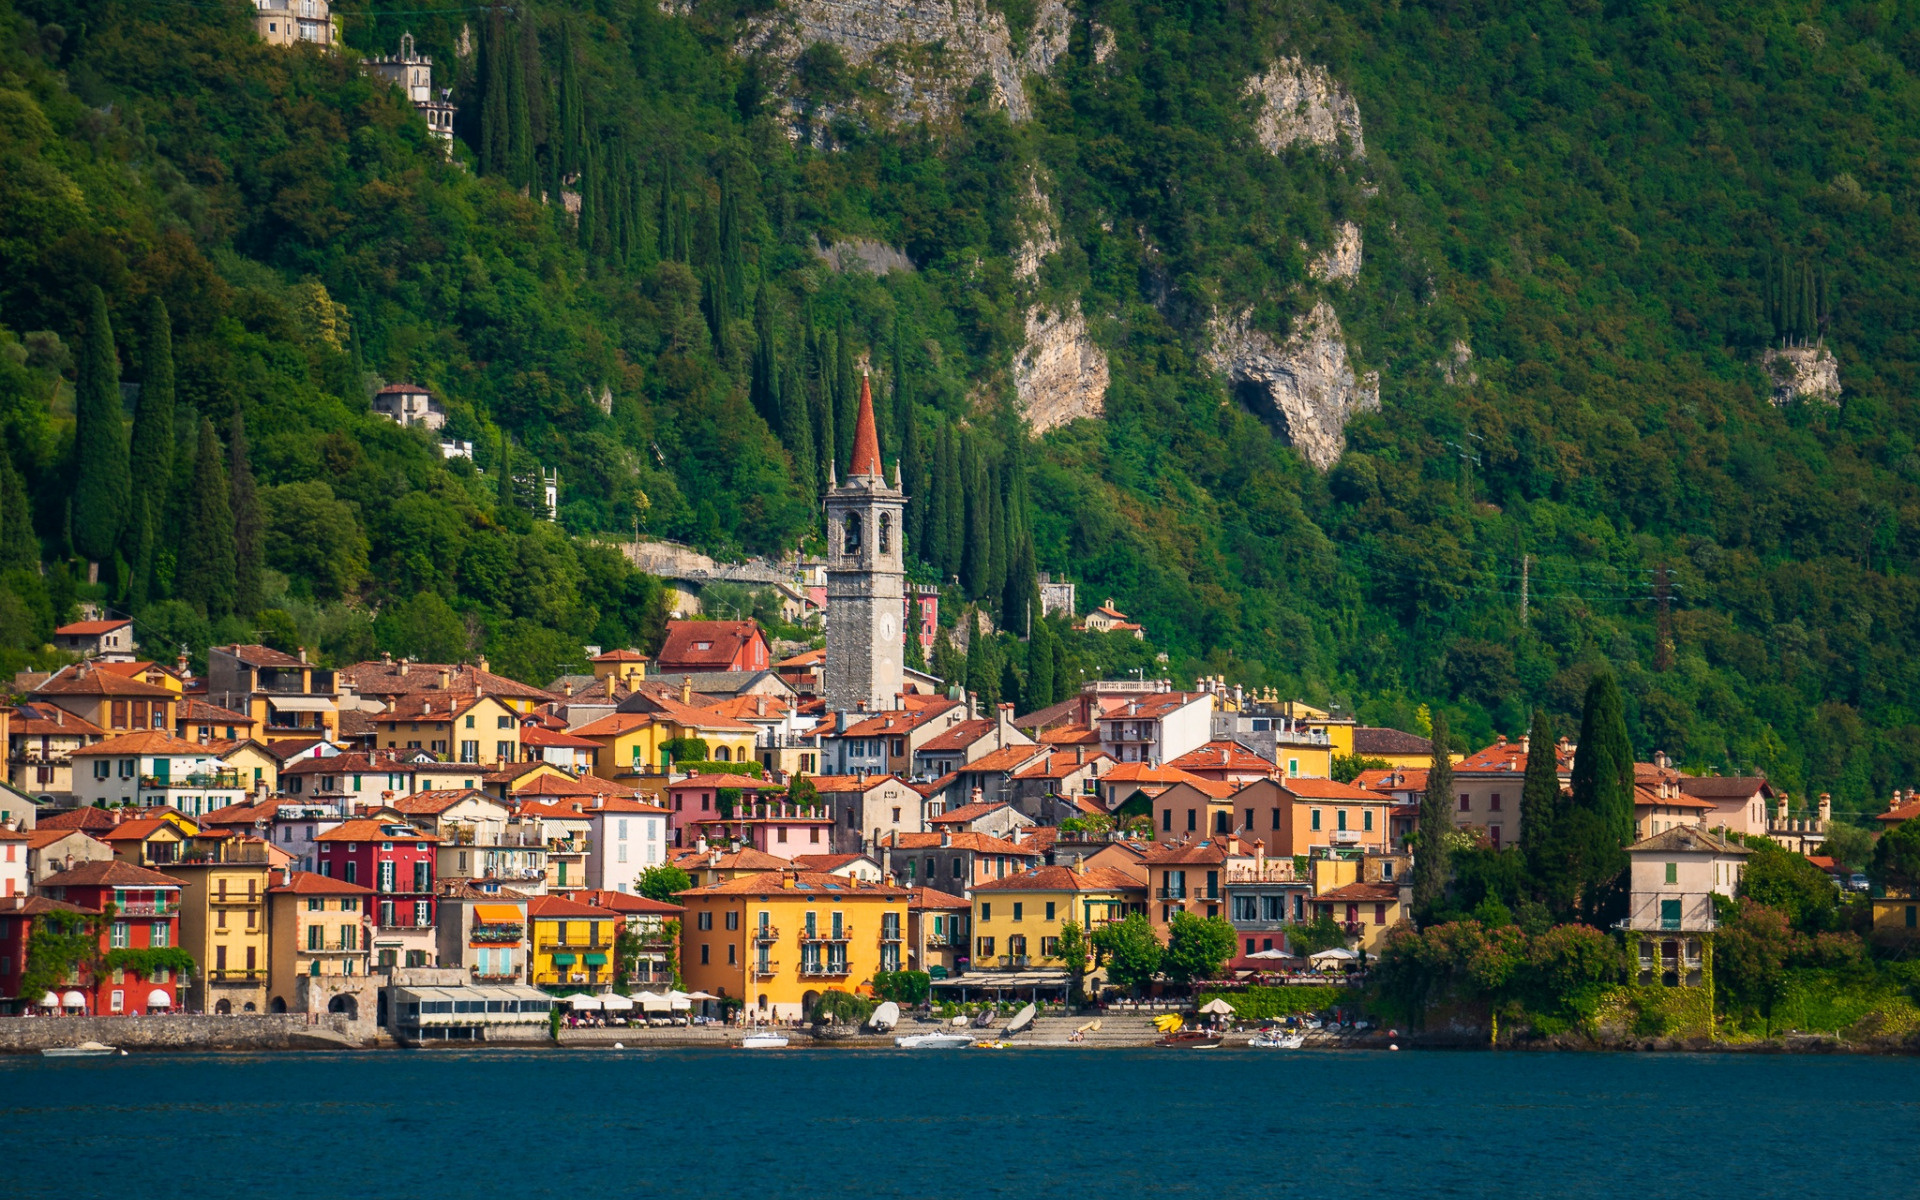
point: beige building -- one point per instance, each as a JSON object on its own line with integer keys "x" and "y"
{"x": 292, "y": 22}
{"x": 223, "y": 921}
{"x": 1676, "y": 873}
{"x": 320, "y": 938}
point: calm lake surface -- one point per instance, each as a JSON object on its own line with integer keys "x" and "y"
{"x": 602, "y": 1124}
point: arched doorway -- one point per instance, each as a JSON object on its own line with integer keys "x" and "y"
{"x": 276, "y": 1005}
{"x": 380, "y": 1008}
{"x": 807, "y": 1001}
{"x": 723, "y": 754}
{"x": 249, "y": 1007}
{"x": 224, "y": 1008}
{"x": 346, "y": 1005}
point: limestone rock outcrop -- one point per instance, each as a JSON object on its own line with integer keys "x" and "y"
{"x": 1803, "y": 373}
{"x": 923, "y": 53}
{"x": 1340, "y": 260}
{"x": 1060, "y": 375}
{"x": 1457, "y": 367}
{"x": 1304, "y": 386}
{"x": 1299, "y": 102}
{"x": 876, "y": 258}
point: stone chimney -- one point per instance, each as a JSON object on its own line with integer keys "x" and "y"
{"x": 610, "y": 687}
{"x": 446, "y": 679}
{"x": 406, "y": 665}
{"x": 1259, "y": 855}
{"x": 1019, "y": 836}
{"x": 686, "y": 689}
{"x": 760, "y": 705}
{"x": 566, "y": 688}
{"x": 946, "y": 839}
{"x": 1233, "y": 845}
{"x": 303, "y": 654}
{"x": 482, "y": 664}
{"x": 1660, "y": 759}
{"x": 1826, "y": 811}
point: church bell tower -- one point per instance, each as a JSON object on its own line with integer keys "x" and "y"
{"x": 866, "y": 593}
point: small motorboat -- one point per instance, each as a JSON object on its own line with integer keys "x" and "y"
{"x": 933, "y": 1041}
{"x": 1190, "y": 1039}
{"x": 83, "y": 1050}
{"x": 765, "y": 1039}
{"x": 1277, "y": 1039}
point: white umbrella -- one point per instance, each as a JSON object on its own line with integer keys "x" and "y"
{"x": 615, "y": 1003}
{"x": 1337, "y": 954}
{"x": 886, "y": 1016}
{"x": 49, "y": 1001}
{"x": 1217, "y": 1006}
{"x": 650, "y": 1002}
{"x": 159, "y": 999}
{"x": 701, "y": 996}
{"x": 73, "y": 1000}
{"x": 679, "y": 1000}
{"x": 580, "y": 1000}
{"x": 1270, "y": 954}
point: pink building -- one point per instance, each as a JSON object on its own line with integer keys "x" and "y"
{"x": 695, "y": 801}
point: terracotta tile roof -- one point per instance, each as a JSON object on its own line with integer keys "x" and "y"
{"x": 110, "y": 872}
{"x": 87, "y": 817}
{"x": 306, "y": 883}
{"x": 1375, "y": 740}
{"x": 571, "y": 785}
{"x": 897, "y": 721}
{"x": 1063, "y": 879}
{"x": 365, "y": 829}
{"x": 91, "y": 628}
{"x": 539, "y": 738}
{"x": 1307, "y": 788}
{"x": 818, "y": 882}
{"x": 965, "y": 734}
{"x": 1221, "y": 754}
{"x": 1069, "y": 735}
{"x": 966, "y": 814}
{"x": 1393, "y": 779}
{"x": 938, "y": 785}
{"x": 926, "y": 897}
{"x": 1153, "y": 705}
{"x": 1041, "y": 837}
{"x": 636, "y": 803}
{"x": 1725, "y": 787}
{"x": 1002, "y": 761}
{"x": 244, "y": 813}
{"x": 745, "y": 783}
{"x": 552, "y": 907}
{"x": 139, "y": 829}
{"x": 694, "y": 717}
{"x": 965, "y": 839}
{"x": 1139, "y": 772}
{"x": 435, "y": 803}
{"x": 1353, "y": 892}
{"x": 828, "y": 862}
{"x": 806, "y": 658}
{"x": 50, "y": 720}
{"x": 746, "y": 708}
{"x": 628, "y": 904}
{"x": 834, "y": 784}
{"x": 39, "y": 906}
{"x": 261, "y": 656}
{"x": 866, "y": 442}
{"x": 620, "y": 656}
{"x": 192, "y": 709}
{"x": 744, "y": 859}
{"x": 1904, "y": 812}
{"x": 41, "y": 838}
{"x": 1501, "y": 757}
{"x": 614, "y": 725}
{"x": 387, "y": 679}
{"x": 1643, "y": 795}
{"x": 149, "y": 741}
{"x": 1059, "y": 765}
{"x": 85, "y": 680}
{"x": 724, "y": 639}
{"x": 1182, "y": 852}
{"x": 1688, "y": 839}
{"x": 433, "y": 706}
{"x": 356, "y": 762}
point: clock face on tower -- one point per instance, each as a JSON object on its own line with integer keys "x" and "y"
{"x": 886, "y": 627}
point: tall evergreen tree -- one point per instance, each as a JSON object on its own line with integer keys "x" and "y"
{"x": 955, "y": 533}
{"x": 1430, "y": 865}
{"x": 249, "y": 527}
{"x": 571, "y": 137}
{"x": 763, "y": 385}
{"x": 820, "y": 400}
{"x": 19, "y": 549}
{"x": 1040, "y": 691}
{"x": 1603, "y": 762}
{"x": 983, "y": 669}
{"x": 900, "y": 408}
{"x": 995, "y": 584}
{"x": 522, "y": 82}
{"x": 496, "y": 135}
{"x": 846, "y": 398}
{"x": 948, "y": 663}
{"x": 205, "y": 576}
{"x": 1540, "y": 803}
{"x": 152, "y": 454}
{"x": 978, "y": 544}
{"x": 103, "y": 487}
{"x": 733, "y": 268}
{"x": 913, "y": 477}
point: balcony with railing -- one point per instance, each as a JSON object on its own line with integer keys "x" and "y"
{"x": 829, "y": 969}
{"x": 1014, "y": 961}
{"x": 504, "y": 839}
{"x": 237, "y": 975}
{"x": 336, "y": 946}
{"x": 1276, "y": 870}
{"x": 889, "y": 933}
{"x": 842, "y": 934}
{"x": 497, "y": 933}
{"x": 572, "y": 947}
{"x": 766, "y": 933}
{"x": 236, "y": 853}
{"x": 766, "y": 969}
{"x": 206, "y": 779}
{"x": 149, "y": 908}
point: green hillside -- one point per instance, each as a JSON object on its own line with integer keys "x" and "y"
{"x": 1617, "y": 208}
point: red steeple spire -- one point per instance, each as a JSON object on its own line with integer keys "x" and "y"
{"x": 866, "y": 441}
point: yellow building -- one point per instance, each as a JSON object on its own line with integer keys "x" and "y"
{"x": 628, "y": 667}
{"x": 251, "y": 761}
{"x": 1896, "y": 918}
{"x": 453, "y": 726}
{"x": 630, "y": 742}
{"x": 320, "y": 932}
{"x": 572, "y": 944}
{"x": 1017, "y": 920}
{"x": 779, "y": 939}
{"x": 223, "y": 921}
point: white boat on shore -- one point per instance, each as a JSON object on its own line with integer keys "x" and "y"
{"x": 765, "y": 1039}
{"x": 83, "y": 1050}
{"x": 1277, "y": 1039}
{"x": 933, "y": 1041}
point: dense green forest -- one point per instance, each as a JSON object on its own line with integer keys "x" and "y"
{"x": 1617, "y": 207}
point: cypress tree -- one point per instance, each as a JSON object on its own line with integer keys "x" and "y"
{"x": 983, "y": 669}
{"x": 1039, "y": 666}
{"x": 846, "y": 398}
{"x": 797, "y": 428}
{"x": 913, "y": 477}
{"x": 1063, "y": 680}
{"x": 667, "y": 207}
{"x": 733, "y": 270}
{"x": 1540, "y": 812}
{"x": 152, "y": 454}
{"x": 713, "y": 283}
{"x": 205, "y": 576}
{"x": 495, "y": 121}
{"x": 916, "y": 654}
{"x": 763, "y": 385}
{"x": 522, "y": 80}
{"x": 589, "y": 206}
{"x": 1603, "y": 762}
{"x": 978, "y": 534}
{"x": 955, "y": 516}
{"x": 19, "y": 549}
{"x": 994, "y": 585}
{"x": 103, "y": 487}
{"x": 901, "y": 406}
{"x": 1436, "y": 822}
{"x": 503, "y": 486}
{"x": 248, "y": 525}
{"x": 820, "y": 400}
{"x": 571, "y": 137}
{"x": 947, "y": 663}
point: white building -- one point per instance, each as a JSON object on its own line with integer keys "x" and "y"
{"x": 1156, "y": 727}
{"x": 625, "y": 838}
{"x": 154, "y": 768}
{"x": 1675, "y": 875}
{"x": 413, "y": 74}
{"x": 406, "y": 404}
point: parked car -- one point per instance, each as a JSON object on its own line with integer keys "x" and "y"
{"x": 1857, "y": 882}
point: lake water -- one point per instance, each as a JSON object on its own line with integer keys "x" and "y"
{"x": 605, "y": 1125}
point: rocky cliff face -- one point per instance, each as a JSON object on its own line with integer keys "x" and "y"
{"x": 922, "y": 53}
{"x": 1304, "y": 386}
{"x": 1059, "y": 375}
{"x": 1299, "y": 103}
{"x": 1340, "y": 261}
{"x": 1803, "y": 373}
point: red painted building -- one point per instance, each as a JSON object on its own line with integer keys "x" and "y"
{"x": 392, "y": 858}
{"x": 694, "y": 647}
{"x": 145, "y": 916}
